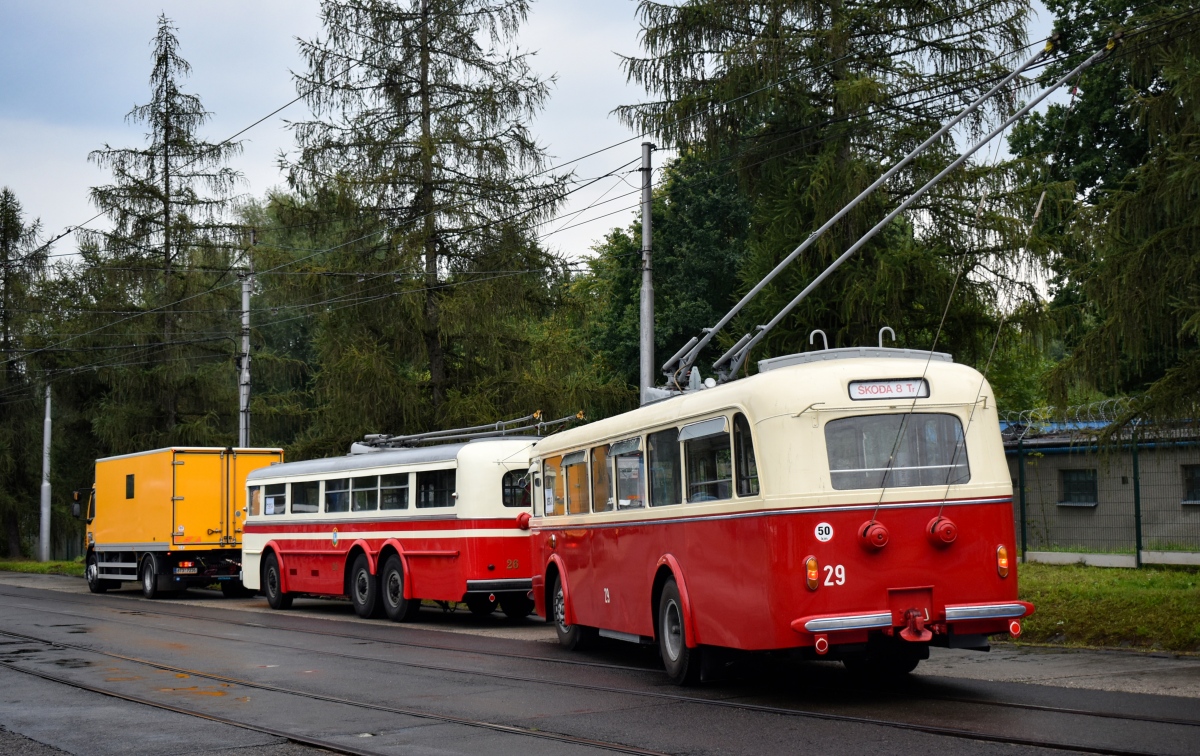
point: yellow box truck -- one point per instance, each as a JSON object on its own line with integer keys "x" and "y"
{"x": 169, "y": 518}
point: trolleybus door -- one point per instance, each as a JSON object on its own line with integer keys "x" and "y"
{"x": 198, "y": 494}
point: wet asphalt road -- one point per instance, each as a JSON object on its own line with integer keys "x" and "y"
{"x": 454, "y": 684}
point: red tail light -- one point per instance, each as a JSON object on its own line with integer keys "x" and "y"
{"x": 187, "y": 564}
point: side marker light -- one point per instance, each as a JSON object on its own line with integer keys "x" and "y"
{"x": 1002, "y": 561}
{"x": 812, "y": 572}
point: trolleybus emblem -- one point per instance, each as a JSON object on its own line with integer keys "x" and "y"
{"x": 335, "y": 536}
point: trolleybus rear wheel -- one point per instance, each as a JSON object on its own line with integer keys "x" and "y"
{"x": 391, "y": 583}
{"x": 577, "y": 637}
{"x": 682, "y": 663}
{"x": 272, "y": 584}
{"x": 97, "y": 584}
{"x": 480, "y": 604}
{"x": 149, "y": 577}
{"x": 884, "y": 660}
{"x": 234, "y": 589}
{"x": 364, "y": 589}
{"x": 516, "y": 605}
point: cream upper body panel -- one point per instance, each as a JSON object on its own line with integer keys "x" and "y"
{"x": 788, "y": 409}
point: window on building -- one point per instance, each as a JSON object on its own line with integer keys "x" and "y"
{"x": 709, "y": 457}
{"x": 516, "y": 489}
{"x": 393, "y": 491}
{"x": 1191, "y": 484}
{"x": 275, "y": 499}
{"x": 364, "y": 494}
{"x": 602, "y": 498}
{"x": 435, "y": 488}
{"x": 552, "y": 484}
{"x": 665, "y": 483}
{"x": 1078, "y": 488}
{"x": 306, "y": 497}
{"x": 574, "y": 468}
{"x": 747, "y": 467}
{"x": 630, "y": 469}
{"x": 129, "y": 486}
{"x": 337, "y": 495}
{"x": 895, "y": 451}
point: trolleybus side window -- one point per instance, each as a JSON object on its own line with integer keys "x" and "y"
{"x": 254, "y": 503}
{"x": 630, "y": 473}
{"x": 393, "y": 491}
{"x": 515, "y": 489}
{"x": 602, "y": 498}
{"x": 665, "y": 483}
{"x": 337, "y": 495}
{"x": 306, "y": 497}
{"x": 275, "y": 499}
{"x": 435, "y": 488}
{"x": 709, "y": 460}
{"x": 552, "y": 484}
{"x": 364, "y": 494}
{"x": 747, "y": 467}
{"x": 574, "y": 471}
{"x": 875, "y": 451}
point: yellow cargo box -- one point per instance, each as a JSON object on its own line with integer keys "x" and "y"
{"x": 170, "y": 518}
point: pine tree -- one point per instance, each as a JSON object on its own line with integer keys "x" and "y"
{"x": 421, "y": 120}
{"x": 170, "y": 239}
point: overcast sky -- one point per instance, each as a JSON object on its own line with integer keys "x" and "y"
{"x": 72, "y": 69}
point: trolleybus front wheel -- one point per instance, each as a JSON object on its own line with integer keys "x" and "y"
{"x": 272, "y": 584}
{"x": 364, "y": 589}
{"x": 576, "y": 637}
{"x": 397, "y": 608}
{"x": 682, "y": 663}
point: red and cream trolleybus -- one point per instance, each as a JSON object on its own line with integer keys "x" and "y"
{"x": 853, "y": 503}
{"x": 390, "y": 527}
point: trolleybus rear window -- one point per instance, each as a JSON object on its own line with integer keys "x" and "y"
{"x": 890, "y": 451}
{"x": 515, "y": 487}
{"x": 435, "y": 488}
{"x": 364, "y": 495}
{"x": 665, "y": 488}
{"x": 306, "y": 497}
{"x": 337, "y": 495}
{"x": 393, "y": 491}
{"x": 275, "y": 499}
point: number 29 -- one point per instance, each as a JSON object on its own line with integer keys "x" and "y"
{"x": 835, "y": 574}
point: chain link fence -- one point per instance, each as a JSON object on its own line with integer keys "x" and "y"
{"x": 1084, "y": 493}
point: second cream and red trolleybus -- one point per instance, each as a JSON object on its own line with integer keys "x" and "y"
{"x": 853, "y": 503}
{"x": 390, "y": 527}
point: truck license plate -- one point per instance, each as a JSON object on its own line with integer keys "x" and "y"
{"x": 185, "y": 570}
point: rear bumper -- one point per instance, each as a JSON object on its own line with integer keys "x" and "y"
{"x": 833, "y": 623}
{"x": 494, "y": 586}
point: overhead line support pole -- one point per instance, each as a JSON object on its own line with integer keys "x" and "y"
{"x": 646, "y": 342}
{"x": 44, "y": 530}
{"x": 244, "y": 377}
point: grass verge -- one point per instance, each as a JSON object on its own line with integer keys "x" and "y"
{"x": 1152, "y": 608}
{"x": 73, "y": 568}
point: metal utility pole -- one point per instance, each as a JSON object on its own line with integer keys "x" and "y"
{"x": 646, "y": 378}
{"x": 244, "y": 380}
{"x": 44, "y": 532}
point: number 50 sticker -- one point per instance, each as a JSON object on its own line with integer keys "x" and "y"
{"x": 824, "y": 532}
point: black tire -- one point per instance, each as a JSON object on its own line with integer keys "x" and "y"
{"x": 480, "y": 605}
{"x": 96, "y": 584}
{"x": 682, "y": 663}
{"x": 573, "y": 637}
{"x": 272, "y": 584}
{"x": 234, "y": 589}
{"x": 391, "y": 592}
{"x": 516, "y": 606}
{"x": 364, "y": 589}
{"x": 149, "y": 577}
{"x": 886, "y": 662}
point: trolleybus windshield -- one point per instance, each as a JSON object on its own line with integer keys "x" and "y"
{"x": 896, "y": 451}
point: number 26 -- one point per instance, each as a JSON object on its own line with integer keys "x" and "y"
{"x": 835, "y": 574}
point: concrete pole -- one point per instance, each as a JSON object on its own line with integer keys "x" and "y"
{"x": 646, "y": 378}
{"x": 244, "y": 381}
{"x": 44, "y": 531}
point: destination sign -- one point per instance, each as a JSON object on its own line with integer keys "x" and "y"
{"x": 896, "y": 388}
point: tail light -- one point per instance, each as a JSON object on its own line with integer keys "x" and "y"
{"x": 1002, "y": 561}
{"x": 187, "y": 564}
{"x": 812, "y": 571}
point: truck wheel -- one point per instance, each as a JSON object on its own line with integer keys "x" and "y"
{"x": 391, "y": 583}
{"x": 364, "y": 589}
{"x": 516, "y": 605}
{"x": 574, "y": 637}
{"x": 682, "y": 663}
{"x": 149, "y": 578}
{"x": 272, "y": 584}
{"x": 96, "y": 584}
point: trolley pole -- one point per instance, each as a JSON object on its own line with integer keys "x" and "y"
{"x": 646, "y": 377}
{"x": 244, "y": 380}
{"x": 44, "y": 531}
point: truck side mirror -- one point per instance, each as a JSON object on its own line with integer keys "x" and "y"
{"x": 76, "y": 509}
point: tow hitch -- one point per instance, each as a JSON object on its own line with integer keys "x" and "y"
{"x": 914, "y": 629}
